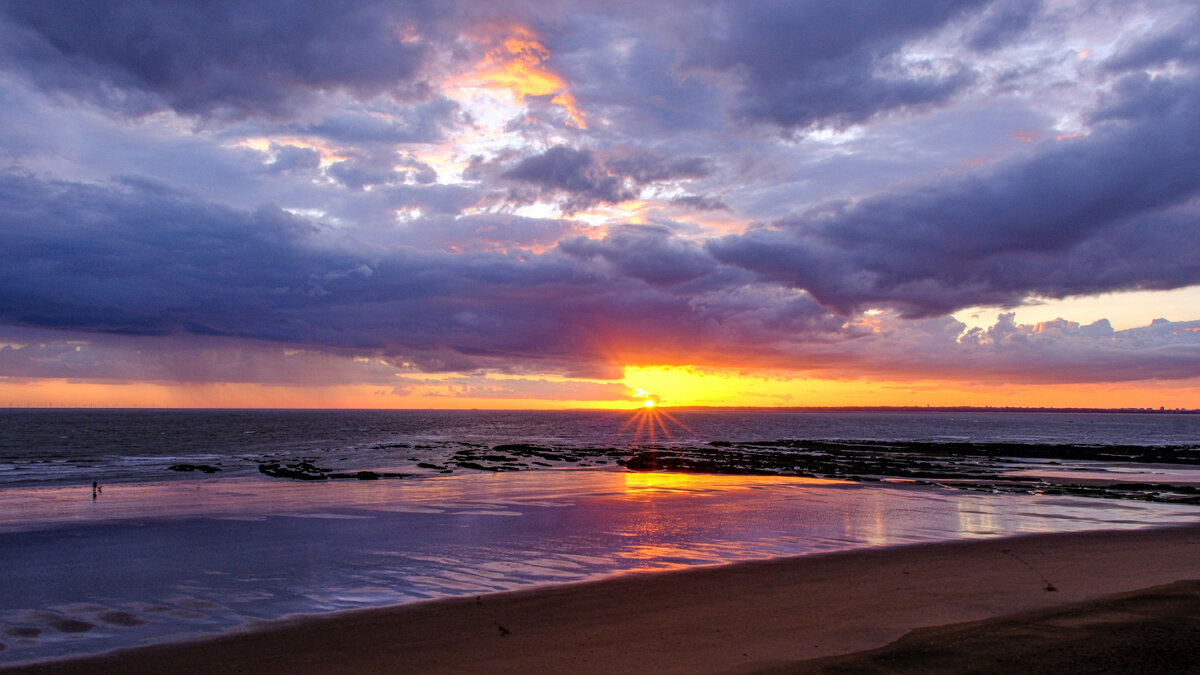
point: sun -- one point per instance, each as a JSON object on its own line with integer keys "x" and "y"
{"x": 649, "y": 399}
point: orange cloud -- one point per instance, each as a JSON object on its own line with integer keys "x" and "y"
{"x": 518, "y": 66}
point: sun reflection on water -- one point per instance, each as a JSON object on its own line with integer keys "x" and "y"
{"x": 657, "y": 482}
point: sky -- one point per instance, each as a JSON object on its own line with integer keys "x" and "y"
{"x": 549, "y": 204}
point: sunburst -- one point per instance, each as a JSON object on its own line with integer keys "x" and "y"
{"x": 652, "y": 424}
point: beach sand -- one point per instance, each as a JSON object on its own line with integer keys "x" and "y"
{"x": 1072, "y": 600}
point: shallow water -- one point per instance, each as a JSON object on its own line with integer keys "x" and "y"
{"x": 154, "y": 561}
{"x": 165, "y": 551}
{"x": 80, "y": 446}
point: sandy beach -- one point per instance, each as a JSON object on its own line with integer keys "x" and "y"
{"x": 785, "y": 615}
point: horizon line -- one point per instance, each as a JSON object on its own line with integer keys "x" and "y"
{"x": 636, "y": 407}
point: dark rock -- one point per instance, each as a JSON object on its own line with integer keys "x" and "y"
{"x": 205, "y": 468}
{"x": 302, "y": 470}
{"x": 477, "y": 466}
{"x": 360, "y": 475}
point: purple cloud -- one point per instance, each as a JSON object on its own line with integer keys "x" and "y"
{"x": 1087, "y": 215}
{"x": 827, "y": 64}
{"x": 227, "y": 60}
{"x": 234, "y": 179}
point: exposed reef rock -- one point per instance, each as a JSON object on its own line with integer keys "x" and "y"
{"x": 306, "y": 470}
{"x": 985, "y": 467}
{"x": 203, "y": 468}
{"x": 1027, "y": 468}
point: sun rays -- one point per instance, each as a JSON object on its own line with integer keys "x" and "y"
{"x": 650, "y": 424}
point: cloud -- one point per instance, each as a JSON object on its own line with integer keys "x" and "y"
{"x": 826, "y": 64}
{"x": 223, "y": 60}
{"x": 644, "y": 167}
{"x": 646, "y": 253}
{"x": 511, "y": 388}
{"x": 701, "y": 203}
{"x": 1106, "y": 212}
{"x": 1061, "y": 351}
{"x": 1179, "y": 42}
{"x": 92, "y": 357}
{"x": 297, "y": 185}
{"x": 137, "y": 259}
{"x": 293, "y": 158}
{"x": 146, "y": 276}
{"x": 489, "y": 232}
{"x": 574, "y": 172}
{"x": 1003, "y": 23}
{"x": 361, "y": 170}
{"x": 587, "y": 181}
{"x": 422, "y": 122}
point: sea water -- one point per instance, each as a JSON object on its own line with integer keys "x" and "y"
{"x": 159, "y": 553}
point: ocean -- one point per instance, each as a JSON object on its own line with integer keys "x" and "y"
{"x": 211, "y": 521}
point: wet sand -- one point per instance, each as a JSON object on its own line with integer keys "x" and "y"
{"x": 1150, "y": 631}
{"x": 774, "y": 616}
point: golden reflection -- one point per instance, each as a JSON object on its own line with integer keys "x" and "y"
{"x": 652, "y": 482}
{"x": 875, "y": 527}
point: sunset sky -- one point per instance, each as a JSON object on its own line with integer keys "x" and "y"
{"x": 522, "y": 204}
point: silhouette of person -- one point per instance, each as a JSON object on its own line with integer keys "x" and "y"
{"x": 95, "y": 489}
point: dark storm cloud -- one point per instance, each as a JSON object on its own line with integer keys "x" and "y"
{"x": 222, "y": 58}
{"x": 829, "y": 64}
{"x": 136, "y": 259}
{"x": 362, "y": 170}
{"x": 127, "y": 259}
{"x": 1106, "y": 212}
{"x": 574, "y": 172}
{"x": 587, "y": 181}
{"x": 124, "y": 263}
{"x": 646, "y": 253}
